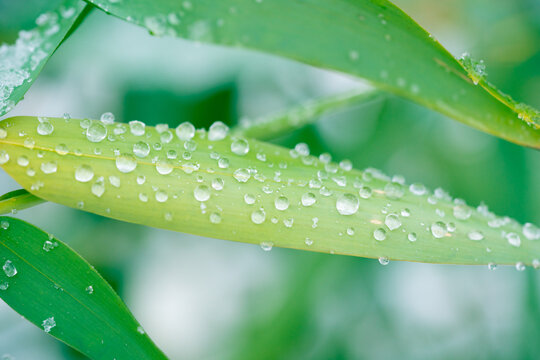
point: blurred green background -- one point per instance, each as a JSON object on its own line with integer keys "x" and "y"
{"x": 202, "y": 298}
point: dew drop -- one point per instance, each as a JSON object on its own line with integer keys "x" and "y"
{"x": 4, "y": 224}
{"x": 258, "y": 216}
{"x": 217, "y": 131}
{"x": 164, "y": 167}
{"x": 61, "y": 149}
{"x": 266, "y": 245}
{"x": 513, "y": 239}
{"x": 107, "y": 118}
{"x": 347, "y": 204}
{"x": 242, "y": 175}
{"x": 45, "y": 128}
{"x": 384, "y": 260}
{"x": 48, "y": 324}
{"x": 201, "y": 193}
{"x": 240, "y": 147}
{"x": 308, "y": 199}
{"x": 215, "y": 218}
{"x": 438, "y": 229}
{"x": 281, "y": 203}
{"x": 218, "y": 183}
{"x": 531, "y": 231}
{"x": 412, "y": 237}
{"x": 365, "y": 192}
{"x": 475, "y": 235}
{"x": 392, "y": 221}
{"x": 126, "y": 163}
{"x": 141, "y": 149}
{"x": 161, "y": 196}
{"x": 417, "y": 189}
{"x": 9, "y": 269}
{"x": 462, "y": 212}
{"x": 249, "y": 199}
{"x": 492, "y": 266}
{"x": 137, "y": 128}
{"x": 185, "y": 131}
{"x": 23, "y": 161}
{"x": 4, "y": 157}
{"x": 520, "y": 266}
{"x": 96, "y": 132}
{"x": 379, "y": 234}
{"x": 98, "y": 188}
{"x": 49, "y": 167}
{"x": 84, "y": 173}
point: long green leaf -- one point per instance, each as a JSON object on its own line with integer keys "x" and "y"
{"x": 278, "y": 124}
{"x": 17, "y": 200}
{"x": 372, "y": 39}
{"x": 54, "y": 288}
{"x": 20, "y": 63}
{"x": 252, "y": 192}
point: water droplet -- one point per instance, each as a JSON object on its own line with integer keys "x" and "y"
{"x": 107, "y": 118}
{"x": 412, "y": 237}
{"x": 308, "y": 199}
{"x": 392, "y": 221}
{"x": 394, "y": 190}
{"x": 9, "y": 269}
{"x": 462, "y": 212}
{"x": 215, "y": 218}
{"x": 141, "y": 149}
{"x": 4, "y": 224}
{"x": 365, "y": 192}
{"x": 141, "y": 179}
{"x": 23, "y": 161}
{"x": 223, "y": 163}
{"x": 384, "y": 260}
{"x": 164, "y": 167}
{"x": 49, "y": 167}
{"x": 242, "y": 175}
{"x": 347, "y": 204}
{"x": 48, "y": 324}
{"x": 45, "y": 128}
{"x": 258, "y": 216}
{"x": 4, "y": 285}
{"x": 379, "y": 234}
{"x": 308, "y": 241}
{"x": 202, "y": 193}
{"x": 520, "y": 266}
{"x": 143, "y": 197}
{"x": 405, "y": 212}
{"x": 240, "y": 147}
{"x": 114, "y": 180}
{"x": 475, "y": 235}
{"x": 3, "y": 133}
{"x": 492, "y": 266}
{"x": 217, "y": 131}
{"x": 98, "y": 188}
{"x": 249, "y": 199}
{"x": 218, "y": 183}
{"x": 281, "y": 203}
{"x": 438, "y": 229}
{"x": 185, "y": 131}
{"x": 137, "y": 128}
{"x": 531, "y": 231}
{"x": 4, "y": 157}
{"x": 89, "y": 289}
{"x": 126, "y": 163}
{"x": 417, "y": 189}
{"x": 84, "y": 173}
{"x": 536, "y": 263}
{"x": 61, "y": 149}
{"x": 96, "y": 132}
{"x": 513, "y": 239}
{"x": 161, "y": 196}
{"x": 350, "y": 231}
{"x": 267, "y": 245}
{"x": 49, "y": 245}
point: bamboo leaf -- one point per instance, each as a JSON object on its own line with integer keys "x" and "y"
{"x": 278, "y": 124}
{"x": 372, "y": 39}
{"x": 17, "y": 200}
{"x": 20, "y": 63}
{"x": 54, "y": 288}
{"x": 245, "y": 190}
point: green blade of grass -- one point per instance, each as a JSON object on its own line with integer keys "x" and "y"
{"x": 17, "y": 200}
{"x": 21, "y": 62}
{"x": 278, "y": 124}
{"x": 54, "y": 288}
{"x": 372, "y": 39}
{"x": 253, "y": 192}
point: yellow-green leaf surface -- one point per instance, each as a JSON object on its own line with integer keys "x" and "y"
{"x": 250, "y": 191}
{"x": 54, "y": 288}
{"x": 21, "y": 62}
{"x": 372, "y": 39}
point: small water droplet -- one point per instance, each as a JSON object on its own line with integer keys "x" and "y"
{"x": 84, "y": 173}
{"x": 9, "y": 269}
{"x": 126, "y": 163}
{"x": 392, "y": 221}
{"x": 347, "y": 204}
{"x": 475, "y": 235}
{"x": 266, "y": 245}
{"x": 96, "y": 132}
{"x": 141, "y": 149}
{"x": 281, "y": 203}
{"x": 513, "y": 239}
{"x": 89, "y": 289}
{"x": 107, "y": 118}
{"x": 202, "y": 193}
{"x": 48, "y": 324}
{"x": 379, "y": 234}
{"x": 258, "y": 216}
{"x": 45, "y": 128}
{"x": 384, "y": 260}
{"x": 242, "y": 175}
{"x": 520, "y": 266}
{"x": 412, "y": 237}
{"x": 137, "y": 128}
{"x": 308, "y": 199}
{"x": 438, "y": 229}
{"x": 185, "y": 131}
{"x": 240, "y": 147}
{"x": 217, "y": 131}
{"x": 531, "y": 231}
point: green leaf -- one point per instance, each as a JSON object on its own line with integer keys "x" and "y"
{"x": 278, "y": 124}
{"x": 21, "y": 62}
{"x": 18, "y": 200}
{"x": 254, "y": 192}
{"x": 372, "y": 39}
{"x": 54, "y": 288}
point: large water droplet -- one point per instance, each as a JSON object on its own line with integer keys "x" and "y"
{"x": 185, "y": 131}
{"x": 164, "y": 167}
{"x": 217, "y": 131}
{"x": 126, "y": 163}
{"x": 161, "y": 196}
{"x": 347, "y": 204}
{"x": 242, "y": 175}
{"x": 531, "y": 231}
{"x": 281, "y": 203}
{"x": 258, "y": 216}
{"x": 308, "y": 199}
{"x": 141, "y": 149}
{"x": 9, "y": 269}
{"x": 392, "y": 221}
{"x": 384, "y": 260}
{"x": 379, "y": 234}
{"x": 202, "y": 193}
{"x": 49, "y": 167}
{"x": 84, "y": 173}
{"x": 240, "y": 147}
{"x": 45, "y": 128}
{"x": 438, "y": 229}
{"x": 107, "y": 118}
{"x": 96, "y": 132}
{"x": 137, "y": 128}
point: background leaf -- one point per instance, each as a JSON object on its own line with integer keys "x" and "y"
{"x": 253, "y": 192}
{"x": 17, "y": 200}
{"x": 21, "y": 62}
{"x": 54, "y": 288}
{"x": 371, "y": 39}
